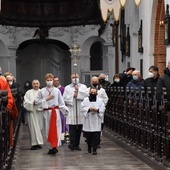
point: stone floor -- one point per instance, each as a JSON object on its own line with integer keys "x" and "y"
{"x": 110, "y": 157}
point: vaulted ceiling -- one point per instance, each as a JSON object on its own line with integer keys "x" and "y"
{"x": 50, "y": 13}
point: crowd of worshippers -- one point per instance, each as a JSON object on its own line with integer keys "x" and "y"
{"x": 131, "y": 78}
{"x": 54, "y": 110}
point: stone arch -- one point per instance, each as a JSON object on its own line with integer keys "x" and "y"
{"x": 86, "y": 47}
{"x": 35, "y": 59}
{"x": 159, "y": 47}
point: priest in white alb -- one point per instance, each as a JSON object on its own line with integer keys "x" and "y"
{"x": 34, "y": 116}
{"x": 74, "y": 94}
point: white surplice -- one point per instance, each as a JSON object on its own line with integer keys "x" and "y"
{"x": 56, "y": 101}
{"x": 101, "y": 93}
{"x": 75, "y": 117}
{"x": 92, "y": 120}
{"x": 34, "y": 117}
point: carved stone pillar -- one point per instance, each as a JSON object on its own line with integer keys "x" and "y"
{"x": 8, "y": 63}
{"x": 109, "y": 60}
{"x": 85, "y": 62}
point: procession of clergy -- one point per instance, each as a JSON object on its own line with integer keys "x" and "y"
{"x": 54, "y": 110}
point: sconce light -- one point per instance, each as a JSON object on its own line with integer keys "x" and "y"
{"x": 161, "y": 23}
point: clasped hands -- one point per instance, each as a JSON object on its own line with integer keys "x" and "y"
{"x": 94, "y": 109}
{"x": 76, "y": 90}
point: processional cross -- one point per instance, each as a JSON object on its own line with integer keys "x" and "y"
{"x": 75, "y": 49}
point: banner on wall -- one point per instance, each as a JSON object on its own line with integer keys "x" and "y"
{"x": 137, "y": 2}
{"x": 113, "y": 6}
{"x": 122, "y": 2}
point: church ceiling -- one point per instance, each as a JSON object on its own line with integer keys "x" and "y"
{"x": 50, "y": 13}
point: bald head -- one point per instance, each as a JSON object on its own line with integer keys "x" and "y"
{"x": 136, "y": 73}
{"x": 94, "y": 79}
{"x": 35, "y": 84}
{"x": 102, "y": 76}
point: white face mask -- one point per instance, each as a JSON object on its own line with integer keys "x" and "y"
{"x": 117, "y": 80}
{"x": 49, "y": 83}
{"x": 75, "y": 81}
{"x": 10, "y": 83}
{"x": 150, "y": 75}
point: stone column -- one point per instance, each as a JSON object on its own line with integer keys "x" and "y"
{"x": 8, "y": 64}
{"x": 109, "y": 60}
{"x": 85, "y": 62}
{"x": 12, "y": 59}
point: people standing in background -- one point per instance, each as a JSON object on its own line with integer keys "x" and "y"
{"x": 34, "y": 116}
{"x": 136, "y": 83}
{"x": 126, "y": 76}
{"x": 74, "y": 94}
{"x": 152, "y": 79}
{"x": 14, "y": 85}
{"x": 11, "y": 80}
{"x": 92, "y": 108}
{"x": 58, "y": 85}
{"x": 103, "y": 82}
{"x": 5, "y": 86}
{"x": 116, "y": 81}
{"x": 11, "y": 107}
{"x": 51, "y": 101}
{"x": 164, "y": 81}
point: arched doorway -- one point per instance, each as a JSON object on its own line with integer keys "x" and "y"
{"x": 35, "y": 59}
{"x": 159, "y": 47}
{"x": 96, "y": 53}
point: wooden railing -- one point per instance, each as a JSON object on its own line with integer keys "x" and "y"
{"x": 6, "y": 127}
{"x": 139, "y": 119}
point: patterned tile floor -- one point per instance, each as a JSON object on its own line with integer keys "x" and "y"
{"x": 110, "y": 157}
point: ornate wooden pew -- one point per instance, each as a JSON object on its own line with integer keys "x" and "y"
{"x": 9, "y": 129}
{"x": 140, "y": 120}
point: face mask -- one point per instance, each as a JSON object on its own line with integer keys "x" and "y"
{"x": 101, "y": 80}
{"x": 75, "y": 80}
{"x": 135, "y": 77}
{"x": 27, "y": 84}
{"x": 117, "y": 80}
{"x": 150, "y": 75}
{"x": 95, "y": 84}
{"x": 10, "y": 83}
{"x": 93, "y": 97}
{"x": 49, "y": 83}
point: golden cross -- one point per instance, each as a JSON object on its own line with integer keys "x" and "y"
{"x": 75, "y": 49}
